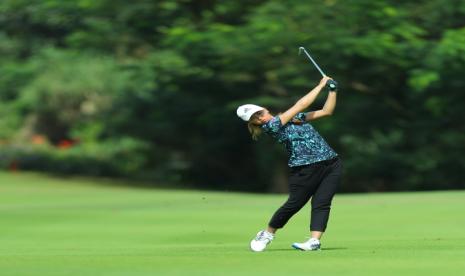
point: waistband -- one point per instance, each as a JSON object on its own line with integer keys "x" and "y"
{"x": 329, "y": 161}
{"x": 319, "y": 163}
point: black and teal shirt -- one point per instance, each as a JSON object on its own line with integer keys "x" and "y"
{"x": 303, "y": 143}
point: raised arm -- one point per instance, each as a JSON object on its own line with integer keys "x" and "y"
{"x": 327, "y": 109}
{"x": 303, "y": 103}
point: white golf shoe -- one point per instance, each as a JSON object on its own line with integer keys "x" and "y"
{"x": 260, "y": 242}
{"x": 311, "y": 244}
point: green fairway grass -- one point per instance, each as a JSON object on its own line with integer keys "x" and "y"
{"x": 52, "y": 226}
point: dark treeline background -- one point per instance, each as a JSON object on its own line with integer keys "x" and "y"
{"x": 149, "y": 89}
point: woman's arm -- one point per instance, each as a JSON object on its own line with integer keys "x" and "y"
{"x": 327, "y": 109}
{"x": 303, "y": 103}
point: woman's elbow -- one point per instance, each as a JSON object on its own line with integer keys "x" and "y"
{"x": 327, "y": 112}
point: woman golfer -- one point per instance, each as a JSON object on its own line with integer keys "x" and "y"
{"x": 315, "y": 169}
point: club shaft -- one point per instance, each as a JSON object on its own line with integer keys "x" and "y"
{"x": 314, "y": 63}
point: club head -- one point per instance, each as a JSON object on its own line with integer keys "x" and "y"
{"x": 301, "y": 49}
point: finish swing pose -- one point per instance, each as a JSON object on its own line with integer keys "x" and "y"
{"x": 315, "y": 169}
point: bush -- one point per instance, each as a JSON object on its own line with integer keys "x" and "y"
{"x": 120, "y": 157}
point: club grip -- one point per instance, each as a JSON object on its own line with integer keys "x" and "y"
{"x": 332, "y": 85}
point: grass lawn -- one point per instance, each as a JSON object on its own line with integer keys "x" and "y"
{"x": 51, "y": 226}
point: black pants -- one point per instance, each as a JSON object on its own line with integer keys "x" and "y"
{"x": 318, "y": 181}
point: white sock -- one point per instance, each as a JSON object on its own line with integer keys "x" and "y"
{"x": 269, "y": 233}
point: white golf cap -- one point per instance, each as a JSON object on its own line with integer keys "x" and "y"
{"x": 247, "y": 110}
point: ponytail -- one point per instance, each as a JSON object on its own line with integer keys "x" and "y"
{"x": 254, "y": 129}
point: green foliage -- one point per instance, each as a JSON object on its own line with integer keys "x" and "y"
{"x": 170, "y": 74}
{"x": 115, "y": 157}
{"x": 71, "y": 86}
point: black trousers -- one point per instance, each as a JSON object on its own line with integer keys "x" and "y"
{"x": 318, "y": 181}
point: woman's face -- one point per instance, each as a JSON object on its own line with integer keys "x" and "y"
{"x": 263, "y": 117}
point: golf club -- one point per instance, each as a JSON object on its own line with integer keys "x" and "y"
{"x": 332, "y": 84}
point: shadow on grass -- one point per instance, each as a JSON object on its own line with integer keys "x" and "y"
{"x": 293, "y": 249}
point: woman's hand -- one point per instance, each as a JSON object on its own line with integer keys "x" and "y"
{"x": 323, "y": 81}
{"x": 303, "y": 103}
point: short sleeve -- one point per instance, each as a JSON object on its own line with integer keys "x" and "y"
{"x": 301, "y": 116}
{"x": 273, "y": 126}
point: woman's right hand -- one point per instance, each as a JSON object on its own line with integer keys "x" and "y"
{"x": 323, "y": 81}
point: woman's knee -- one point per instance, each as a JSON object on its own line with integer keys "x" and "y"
{"x": 294, "y": 204}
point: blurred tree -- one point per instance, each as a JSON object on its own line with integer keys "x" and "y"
{"x": 161, "y": 80}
